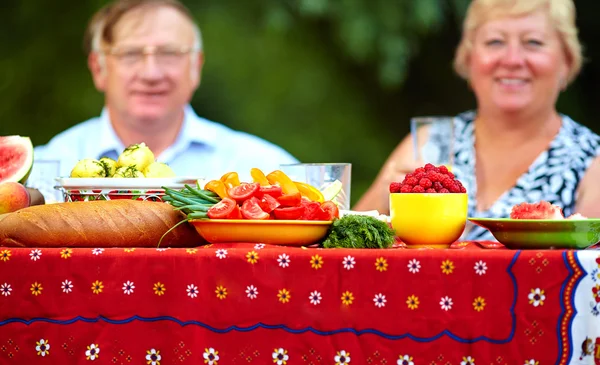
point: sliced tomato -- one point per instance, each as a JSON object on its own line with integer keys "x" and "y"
{"x": 243, "y": 192}
{"x": 289, "y": 213}
{"x": 222, "y": 209}
{"x": 290, "y": 200}
{"x": 236, "y": 213}
{"x": 273, "y": 190}
{"x": 332, "y": 209}
{"x": 251, "y": 209}
{"x": 268, "y": 203}
{"x": 310, "y": 211}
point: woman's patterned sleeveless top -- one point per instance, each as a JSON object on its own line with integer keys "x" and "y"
{"x": 554, "y": 176}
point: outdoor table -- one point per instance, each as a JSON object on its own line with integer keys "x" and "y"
{"x": 256, "y": 304}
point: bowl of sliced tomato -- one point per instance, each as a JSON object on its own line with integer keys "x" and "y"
{"x": 268, "y": 212}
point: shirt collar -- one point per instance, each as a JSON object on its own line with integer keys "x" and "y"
{"x": 194, "y": 130}
{"x": 197, "y": 130}
{"x": 108, "y": 141}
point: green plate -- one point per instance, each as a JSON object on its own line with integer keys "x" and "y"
{"x": 542, "y": 233}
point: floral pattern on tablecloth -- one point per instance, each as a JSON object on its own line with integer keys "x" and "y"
{"x": 230, "y": 304}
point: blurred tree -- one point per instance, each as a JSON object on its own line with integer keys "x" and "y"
{"x": 330, "y": 81}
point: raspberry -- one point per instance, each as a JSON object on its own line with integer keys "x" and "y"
{"x": 419, "y": 170}
{"x": 412, "y": 181}
{"x": 418, "y": 189}
{"x": 451, "y": 175}
{"x": 419, "y": 175}
{"x": 425, "y": 183}
{"x": 395, "y": 187}
{"x": 429, "y": 167}
{"x": 406, "y": 189}
{"x": 447, "y": 182}
{"x": 434, "y": 176}
{"x": 430, "y": 190}
{"x": 454, "y": 188}
{"x": 443, "y": 169}
{"x": 444, "y": 191}
{"x": 437, "y": 186}
{"x": 463, "y": 189}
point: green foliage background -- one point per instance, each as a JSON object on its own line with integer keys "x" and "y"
{"x": 328, "y": 80}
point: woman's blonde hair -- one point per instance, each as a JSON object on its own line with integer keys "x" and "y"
{"x": 562, "y": 17}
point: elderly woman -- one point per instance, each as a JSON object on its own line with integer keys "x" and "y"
{"x": 517, "y": 56}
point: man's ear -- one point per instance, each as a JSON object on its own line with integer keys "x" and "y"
{"x": 97, "y": 66}
{"x": 196, "y": 69}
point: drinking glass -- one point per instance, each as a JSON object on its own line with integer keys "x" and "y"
{"x": 433, "y": 140}
{"x": 329, "y": 178}
{"x": 42, "y": 178}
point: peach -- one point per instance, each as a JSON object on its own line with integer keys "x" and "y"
{"x": 13, "y": 196}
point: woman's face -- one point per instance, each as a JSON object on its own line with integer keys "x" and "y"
{"x": 517, "y": 64}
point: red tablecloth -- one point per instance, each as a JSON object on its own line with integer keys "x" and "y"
{"x": 240, "y": 304}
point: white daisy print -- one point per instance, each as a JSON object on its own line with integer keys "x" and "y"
{"x": 405, "y": 360}
{"x": 536, "y": 297}
{"x": 5, "y": 289}
{"x": 211, "y": 356}
{"x": 67, "y": 286}
{"x": 414, "y": 266}
{"x": 468, "y": 361}
{"x": 221, "y": 253}
{"x": 315, "y": 298}
{"x": 348, "y": 262}
{"x": 532, "y": 362}
{"x": 42, "y": 347}
{"x": 93, "y": 352}
{"x": 280, "y": 356}
{"x": 36, "y": 254}
{"x": 259, "y": 246}
{"x": 98, "y": 251}
{"x": 480, "y": 267}
{"x": 192, "y": 291}
{"x": 446, "y": 303}
{"x": 128, "y": 287}
{"x": 342, "y": 357}
{"x": 252, "y": 292}
{"x": 153, "y": 357}
{"x": 284, "y": 260}
{"x": 379, "y": 300}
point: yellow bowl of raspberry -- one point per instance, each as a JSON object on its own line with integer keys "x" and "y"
{"x": 428, "y": 208}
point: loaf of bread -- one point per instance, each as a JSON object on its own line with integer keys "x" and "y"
{"x": 116, "y": 223}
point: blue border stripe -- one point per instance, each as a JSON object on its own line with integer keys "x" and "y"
{"x": 291, "y": 330}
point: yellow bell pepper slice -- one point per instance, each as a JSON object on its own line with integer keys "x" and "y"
{"x": 218, "y": 187}
{"x": 259, "y": 177}
{"x": 310, "y": 192}
{"x": 281, "y": 179}
{"x": 231, "y": 179}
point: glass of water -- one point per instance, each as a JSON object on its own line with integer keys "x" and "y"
{"x": 433, "y": 140}
{"x": 332, "y": 179}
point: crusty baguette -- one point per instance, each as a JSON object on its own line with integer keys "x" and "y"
{"x": 115, "y": 223}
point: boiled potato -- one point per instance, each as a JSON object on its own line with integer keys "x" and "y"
{"x": 136, "y": 155}
{"x": 158, "y": 169}
{"x": 88, "y": 168}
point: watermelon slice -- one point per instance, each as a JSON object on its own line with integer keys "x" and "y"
{"x": 16, "y": 158}
{"x": 541, "y": 210}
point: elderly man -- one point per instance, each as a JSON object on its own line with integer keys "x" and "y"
{"x": 147, "y": 58}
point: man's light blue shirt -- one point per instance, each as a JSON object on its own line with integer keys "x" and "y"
{"x": 202, "y": 149}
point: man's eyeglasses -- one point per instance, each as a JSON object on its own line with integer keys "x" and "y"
{"x": 164, "y": 55}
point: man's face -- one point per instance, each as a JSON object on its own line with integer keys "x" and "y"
{"x": 149, "y": 73}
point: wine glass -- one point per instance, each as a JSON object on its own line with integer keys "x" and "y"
{"x": 433, "y": 140}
